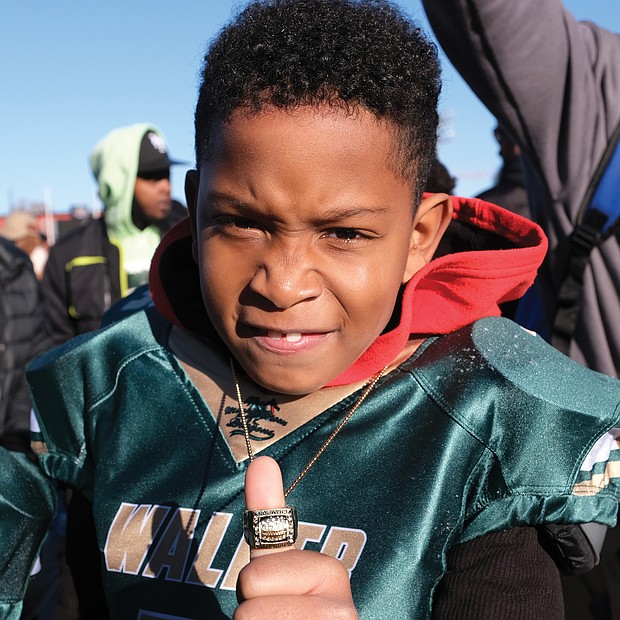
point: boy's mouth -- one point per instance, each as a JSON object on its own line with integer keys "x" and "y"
{"x": 285, "y": 342}
{"x": 289, "y": 337}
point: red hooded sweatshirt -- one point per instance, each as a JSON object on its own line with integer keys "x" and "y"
{"x": 487, "y": 257}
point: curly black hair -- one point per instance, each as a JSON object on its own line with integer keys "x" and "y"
{"x": 343, "y": 53}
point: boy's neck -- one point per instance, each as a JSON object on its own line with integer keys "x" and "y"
{"x": 270, "y": 416}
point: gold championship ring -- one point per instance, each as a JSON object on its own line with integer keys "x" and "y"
{"x": 268, "y": 529}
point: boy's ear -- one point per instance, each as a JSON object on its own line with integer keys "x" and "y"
{"x": 430, "y": 223}
{"x": 191, "y": 198}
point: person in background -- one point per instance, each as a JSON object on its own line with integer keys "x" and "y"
{"x": 509, "y": 190}
{"x": 21, "y": 228}
{"x": 95, "y": 265}
{"x": 23, "y": 334}
{"x": 553, "y": 84}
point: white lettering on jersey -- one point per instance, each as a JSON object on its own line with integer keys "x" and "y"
{"x": 136, "y": 528}
{"x": 131, "y": 535}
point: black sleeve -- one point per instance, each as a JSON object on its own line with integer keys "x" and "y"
{"x": 503, "y": 575}
{"x": 56, "y": 298}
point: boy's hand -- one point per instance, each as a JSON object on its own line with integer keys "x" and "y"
{"x": 286, "y": 582}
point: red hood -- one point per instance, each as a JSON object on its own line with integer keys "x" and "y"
{"x": 448, "y": 293}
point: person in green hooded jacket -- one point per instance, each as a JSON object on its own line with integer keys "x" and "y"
{"x": 92, "y": 267}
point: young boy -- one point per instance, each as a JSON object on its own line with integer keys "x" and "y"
{"x": 300, "y": 313}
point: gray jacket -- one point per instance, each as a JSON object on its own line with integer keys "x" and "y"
{"x": 554, "y": 83}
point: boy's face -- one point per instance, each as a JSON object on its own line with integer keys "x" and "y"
{"x": 303, "y": 235}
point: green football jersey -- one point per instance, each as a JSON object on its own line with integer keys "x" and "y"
{"x": 481, "y": 430}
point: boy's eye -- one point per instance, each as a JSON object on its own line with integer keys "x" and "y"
{"x": 243, "y": 222}
{"x": 235, "y": 221}
{"x": 346, "y": 234}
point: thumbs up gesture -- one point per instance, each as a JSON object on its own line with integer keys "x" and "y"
{"x": 285, "y": 582}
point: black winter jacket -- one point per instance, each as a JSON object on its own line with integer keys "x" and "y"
{"x": 82, "y": 279}
{"x": 23, "y": 334}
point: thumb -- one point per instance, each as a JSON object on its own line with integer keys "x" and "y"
{"x": 263, "y": 491}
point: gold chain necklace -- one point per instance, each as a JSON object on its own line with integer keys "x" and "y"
{"x": 244, "y": 420}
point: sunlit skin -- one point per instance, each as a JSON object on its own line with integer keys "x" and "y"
{"x": 304, "y": 235}
{"x": 153, "y": 196}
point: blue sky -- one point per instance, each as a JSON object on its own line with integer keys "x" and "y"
{"x": 71, "y": 70}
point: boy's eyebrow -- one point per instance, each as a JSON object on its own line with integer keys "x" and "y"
{"x": 329, "y": 215}
{"x": 219, "y": 198}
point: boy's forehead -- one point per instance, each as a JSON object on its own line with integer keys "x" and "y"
{"x": 240, "y": 116}
{"x": 326, "y": 129}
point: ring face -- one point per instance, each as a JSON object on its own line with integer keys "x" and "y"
{"x": 264, "y": 529}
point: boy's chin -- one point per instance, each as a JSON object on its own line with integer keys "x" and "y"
{"x": 289, "y": 382}
{"x": 292, "y": 389}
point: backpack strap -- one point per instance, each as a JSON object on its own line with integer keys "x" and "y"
{"x": 598, "y": 219}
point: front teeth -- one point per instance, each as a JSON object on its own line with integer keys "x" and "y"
{"x": 292, "y": 337}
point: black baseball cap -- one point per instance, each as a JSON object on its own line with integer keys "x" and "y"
{"x": 153, "y": 156}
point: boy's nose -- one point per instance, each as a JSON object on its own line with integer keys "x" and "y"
{"x": 285, "y": 277}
